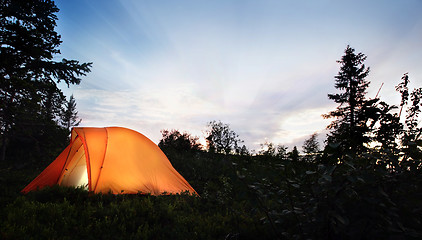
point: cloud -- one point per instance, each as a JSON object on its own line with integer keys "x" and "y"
{"x": 263, "y": 67}
{"x": 147, "y": 110}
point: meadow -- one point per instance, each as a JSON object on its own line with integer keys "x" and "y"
{"x": 241, "y": 197}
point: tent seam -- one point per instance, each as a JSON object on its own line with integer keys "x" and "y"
{"x": 67, "y": 157}
{"x": 87, "y": 159}
{"x": 102, "y": 161}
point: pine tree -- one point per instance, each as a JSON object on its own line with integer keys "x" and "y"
{"x": 70, "y": 115}
{"x": 29, "y": 72}
{"x": 349, "y": 129}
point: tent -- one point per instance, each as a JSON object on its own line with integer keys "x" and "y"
{"x": 112, "y": 159}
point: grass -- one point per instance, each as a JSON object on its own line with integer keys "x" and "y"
{"x": 242, "y": 197}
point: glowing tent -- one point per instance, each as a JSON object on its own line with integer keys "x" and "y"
{"x": 112, "y": 159}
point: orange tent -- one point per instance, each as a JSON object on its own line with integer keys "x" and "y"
{"x": 112, "y": 159}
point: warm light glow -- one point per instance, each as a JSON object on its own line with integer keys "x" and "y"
{"x": 120, "y": 161}
{"x": 76, "y": 174}
{"x": 82, "y": 174}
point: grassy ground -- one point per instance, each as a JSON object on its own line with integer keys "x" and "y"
{"x": 68, "y": 213}
{"x": 242, "y": 197}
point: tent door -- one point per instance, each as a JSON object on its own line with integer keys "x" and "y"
{"x": 76, "y": 173}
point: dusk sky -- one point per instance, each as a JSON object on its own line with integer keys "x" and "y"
{"x": 263, "y": 67}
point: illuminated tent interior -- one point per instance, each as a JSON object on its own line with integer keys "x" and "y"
{"x": 112, "y": 159}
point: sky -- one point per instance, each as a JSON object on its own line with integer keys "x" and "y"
{"x": 263, "y": 67}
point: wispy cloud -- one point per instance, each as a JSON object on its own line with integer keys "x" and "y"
{"x": 263, "y": 67}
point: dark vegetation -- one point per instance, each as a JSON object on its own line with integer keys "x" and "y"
{"x": 34, "y": 114}
{"x": 364, "y": 183}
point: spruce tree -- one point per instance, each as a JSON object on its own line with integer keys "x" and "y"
{"x": 70, "y": 115}
{"x": 29, "y": 72}
{"x": 348, "y": 132}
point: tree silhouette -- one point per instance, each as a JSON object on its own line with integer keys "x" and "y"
{"x": 178, "y": 141}
{"x": 69, "y": 114}
{"x": 273, "y": 150}
{"x": 412, "y": 139}
{"x": 294, "y": 154}
{"x": 404, "y": 91}
{"x": 243, "y": 151}
{"x": 220, "y": 138}
{"x": 28, "y": 71}
{"x": 310, "y": 147}
{"x": 349, "y": 129}
{"x": 311, "y": 144}
{"x": 267, "y": 149}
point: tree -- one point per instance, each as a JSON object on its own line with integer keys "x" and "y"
{"x": 268, "y": 149}
{"x": 387, "y": 134}
{"x": 412, "y": 138}
{"x": 179, "y": 141}
{"x": 311, "y": 147}
{"x": 350, "y": 127}
{"x": 220, "y": 138}
{"x": 281, "y": 152}
{"x": 272, "y": 150}
{"x": 401, "y": 143}
{"x": 69, "y": 114}
{"x": 294, "y": 154}
{"x": 404, "y": 91}
{"x": 28, "y": 71}
{"x": 243, "y": 151}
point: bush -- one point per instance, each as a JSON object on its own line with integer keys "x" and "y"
{"x": 241, "y": 197}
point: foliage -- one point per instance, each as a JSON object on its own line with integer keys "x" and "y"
{"x": 221, "y": 139}
{"x": 411, "y": 140}
{"x": 30, "y": 102}
{"x": 294, "y": 154}
{"x": 349, "y": 129}
{"x": 64, "y": 213}
{"x": 243, "y": 151}
{"x": 268, "y": 149}
{"x": 360, "y": 122}
{"x": 179, "y": 141}
{"x": 302, "y": 200}
{"x": 311, "y": 148}
{"x": 72, "y": 213}
{"x": 404, "y": 91}
{"x": 69, "y": 114}
{"x": 241, "y": 197}
{"x": 311, "y": 145}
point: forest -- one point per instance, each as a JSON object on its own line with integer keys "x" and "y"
{"x": 363, "y": 182}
